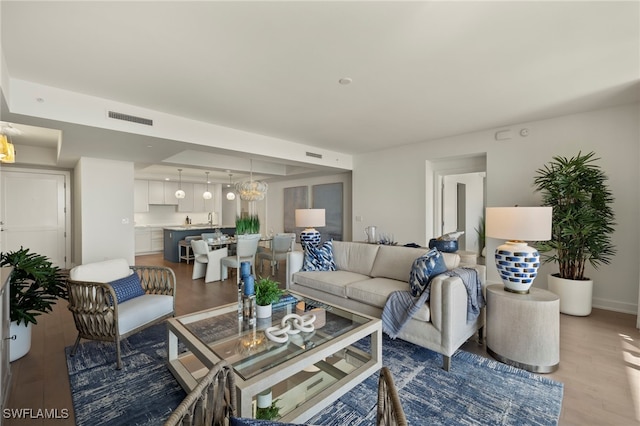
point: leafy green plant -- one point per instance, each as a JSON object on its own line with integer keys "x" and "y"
{"x": 582, "y": 219}
{"x": 267, "y": 291}
{"x": 35, "y": 285}
{"x": 247, "y": 225}
{"x": 268, "y": 413}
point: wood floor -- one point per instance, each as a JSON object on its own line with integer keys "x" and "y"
{"x": 599, "y": 359}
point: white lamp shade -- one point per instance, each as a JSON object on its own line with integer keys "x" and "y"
{"x": 231, "y": 195}
{"x": 207, "y": 195}
{"x": 518, "y": 223}
{"x": 180, "y": 194}
{"x": 309, "y": 218}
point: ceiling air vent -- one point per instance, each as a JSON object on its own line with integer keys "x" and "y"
{"x": 130, "y": 118}
{"x": 313, "y": 154}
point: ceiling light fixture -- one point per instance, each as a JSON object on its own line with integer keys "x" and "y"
{"x": 230, "y": 195}
{"x": 207, "y": 195}
{"x": 345, "y": 80}
{"x": 180, "y": 193}
{"x": 251, "y": 190}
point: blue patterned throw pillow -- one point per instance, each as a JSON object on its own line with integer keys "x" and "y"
{"x": 319, "y": 258}
{"x": 127, "y": 288}
{"x": 424, "y": 269}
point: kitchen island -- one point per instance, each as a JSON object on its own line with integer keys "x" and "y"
{"x": 173, "y": 235}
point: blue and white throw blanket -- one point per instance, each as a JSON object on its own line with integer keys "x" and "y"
{"x": 401, "y": 306}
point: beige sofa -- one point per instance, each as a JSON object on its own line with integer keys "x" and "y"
{"x": 367, "y": 273}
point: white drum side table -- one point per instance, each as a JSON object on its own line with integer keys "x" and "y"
{"x": 523, "y": 330}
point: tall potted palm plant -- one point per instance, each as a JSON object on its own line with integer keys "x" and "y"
{"x": 582, "y": 226}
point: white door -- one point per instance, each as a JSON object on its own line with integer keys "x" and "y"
{"x": 34, "y": 213}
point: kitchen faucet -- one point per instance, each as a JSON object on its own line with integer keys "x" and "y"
{"x": 210, "y": 218}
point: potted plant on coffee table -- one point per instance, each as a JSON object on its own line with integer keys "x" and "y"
{"x": 267, "y": 292}
{"x": 582, "y": 226}
{"x": 35, "y": 285}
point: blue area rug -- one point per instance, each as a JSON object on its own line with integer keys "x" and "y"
{"x": 477, "y": 391}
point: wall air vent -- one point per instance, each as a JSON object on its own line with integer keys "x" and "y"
{"x": 313, "y": 154}
{"x": 130, "y": 118}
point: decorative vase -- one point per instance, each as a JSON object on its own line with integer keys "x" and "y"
{"x": 518, "y": 266}
{"x": 20, "y": 345}
{"x": 263, "y": 311}
{"x": 575, "y": 295}
{"x": 245, "y": 269}
{"x": 310, "y": 237}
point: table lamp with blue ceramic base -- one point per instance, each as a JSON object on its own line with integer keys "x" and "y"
{"x": 310, "y": 218}
{"x": 518, "y": 263}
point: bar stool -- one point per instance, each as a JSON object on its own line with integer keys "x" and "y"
{"x": 188, "y": 254}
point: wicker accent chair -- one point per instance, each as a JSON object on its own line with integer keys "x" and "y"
{"x": 211, "y": 402}
{"x": 98, "y": 314}
{"x": 390, "y": 412}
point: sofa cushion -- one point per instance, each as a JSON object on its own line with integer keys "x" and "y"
{"x": 332, "y": 282}
{"x": 395, "y": 262}
{"x": 424, "y": 269}
{"x": 452, "y": 260}
{"x": 143, "y": 310}
{"x": 127, "y": 288}
{"x": 319, "y": 258}
{"x": 354, "y": 257}
{"x": 375, "y": 292}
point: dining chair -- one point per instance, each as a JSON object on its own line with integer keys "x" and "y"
{"x": 281, "y": 244}
{"x": 246, "y": 248}
{"x": 206, "y": 263}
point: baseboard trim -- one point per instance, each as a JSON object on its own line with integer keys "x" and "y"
{"x": 613, "y": 305}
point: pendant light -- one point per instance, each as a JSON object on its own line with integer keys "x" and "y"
{"x": 230, "y": 195}
{"x": 180, "y": 193}
{"x": 207, "y": 195}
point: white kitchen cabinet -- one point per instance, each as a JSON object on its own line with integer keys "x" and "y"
{"x": 140, "y": 196}
{"x": 157, "y": 239}
{"x": 143, "y": 240}
{"x": 163, "y": 193}
{"x": 156, "y": 192}
{"x": 185, "y": 204}
{"x": 170, "y": 189}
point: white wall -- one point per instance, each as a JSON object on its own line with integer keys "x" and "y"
{"x": 104, "y": 200}
{"x": 394, "y": 188}
{"x": 275, "y": 202}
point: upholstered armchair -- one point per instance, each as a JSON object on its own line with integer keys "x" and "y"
{"x": 111, "y": 300}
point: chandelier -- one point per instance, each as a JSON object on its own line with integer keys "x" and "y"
{"x": 251, "y": 190}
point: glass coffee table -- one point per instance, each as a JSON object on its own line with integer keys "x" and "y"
{"x": 305, "y": 374}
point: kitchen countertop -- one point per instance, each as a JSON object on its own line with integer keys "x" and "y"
{"x": 189, "y": 227}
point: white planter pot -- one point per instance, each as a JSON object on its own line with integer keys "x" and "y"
{"x": 264, "y": 399}
{"x": 263, "y": 311}
{"x": 19, "y": 346}
{"x": 575, "y": 296}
